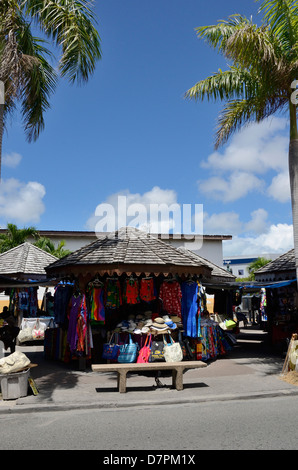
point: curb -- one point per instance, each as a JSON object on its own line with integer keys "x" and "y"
{"x": 54, "y": 407}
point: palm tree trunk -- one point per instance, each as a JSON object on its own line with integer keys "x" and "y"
{"x": 293, "y": 170}
{"x": 1, "y": 134}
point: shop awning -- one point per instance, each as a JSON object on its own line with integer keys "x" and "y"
{"x": 8, "y": 282}
{"x": 277, "y": 284}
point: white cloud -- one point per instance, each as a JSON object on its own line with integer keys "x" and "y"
{"x": 255, "y": 150}
{"x": 225, "y": 223}
{"x": 238, "y": 185}
{"x": 280, "y": 187}
{"x": 258, "y": 222}
{"x": 229, "y": 223}
{"x": 132, "y": 209}
{"x": 11, "y": 160}
{"x": 277, "y": 239}
{"x": 21, "y": 202}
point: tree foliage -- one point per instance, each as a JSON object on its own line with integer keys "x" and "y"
{"x": 263, "y": 64}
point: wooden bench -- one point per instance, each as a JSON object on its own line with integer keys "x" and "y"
{"x": 122, "y": 369}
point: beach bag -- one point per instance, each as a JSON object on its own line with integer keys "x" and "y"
{"x": 172, "y": 351}
{"x": 128, "y": 352}
{"x": 38, "y": 330}
{"x": 144, "y": 353}
{"x": 14, "y": 363}
{"x": 110, "y": 350}
{"x": 156, "y": 354}
{"x": 25, "y": 333}
{"x": 185, "y": 347}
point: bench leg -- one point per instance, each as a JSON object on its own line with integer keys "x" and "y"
{"x": 177, "y": 379}
{"x": 121, "y": 381}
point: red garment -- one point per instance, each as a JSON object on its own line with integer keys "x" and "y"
{"x": 147, "y": 290}
{"x": 132, "y": 291}
{"x": 170, "y": 294}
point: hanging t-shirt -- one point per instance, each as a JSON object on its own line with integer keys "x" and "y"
{"x": 147, "y": 291}
{"x": 113, "y": 294}
{"x": 23, "y": 300}
{"x": 131, "y": 291}
{"x": 170, "y": 294}
{"x": 62, "y": 296}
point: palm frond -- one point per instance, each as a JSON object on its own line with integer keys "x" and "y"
{"x": 238, "y": 113}
{"x": 218, "y": 34}
{"x": 39, "y": 84}
{"x": 282, "y": 16}
{"x": 38, "y": 81}
{"x": 71, "y": 24}
{"x": 255, "y": 47}
{"x": 231, "y": 83}
{"x": 263, "y": 66}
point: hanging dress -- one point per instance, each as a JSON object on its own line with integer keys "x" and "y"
{"x": 170, "y": 294}
{"x": 131, "y": 291}
{"x": 74, "y": 311}
{"x": 113, "y": 294}
{"x": 97, "y": 310}
{"x": 82, "y": 326}
{"x": 189, "y": 308}
{"x": 147, "y": 292}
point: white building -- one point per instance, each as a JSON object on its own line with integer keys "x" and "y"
{"x": 238, "y": 265}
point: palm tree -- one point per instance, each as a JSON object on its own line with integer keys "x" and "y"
{"x": 47, "y": 245}
{"x": 15, "y": 236}
{"x": 25, "y": 70}
{"x": 259, "y": 82}
{"x": 256, "y": 264}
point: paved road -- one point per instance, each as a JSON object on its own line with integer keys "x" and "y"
{"x": 259, "y": 424}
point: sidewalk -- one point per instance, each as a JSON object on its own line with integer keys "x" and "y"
{"x": 250, "y": 370}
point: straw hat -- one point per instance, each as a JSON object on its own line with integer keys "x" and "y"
{"x": 159, "y": 324}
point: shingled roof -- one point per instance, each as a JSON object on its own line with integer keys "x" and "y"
{"x": 218, "y": 274}
{"x": 285, "y": 262}
{"x": 128, "y": 250}
{"x": 24, "y": 261}
{"x": 280, "y": 268}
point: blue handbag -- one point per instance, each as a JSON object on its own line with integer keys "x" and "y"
{"x": 110, "y": 350}
{"x": 128, "y": 352}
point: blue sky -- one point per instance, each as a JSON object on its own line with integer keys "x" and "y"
{"x": 129, "y": 131}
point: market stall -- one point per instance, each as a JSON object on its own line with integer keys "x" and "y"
{"x": 23, "y": 277}
{"x": 126, "y": 286}
{"x": 279, "y": 299}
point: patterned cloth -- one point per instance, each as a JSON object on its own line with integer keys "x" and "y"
{"x": 170, "y": 294}
{"x": 97, "y": 311}
{"x": 131, "y": 291}
{"x": 147, "y": 292}
{"x": 113, "y": 294}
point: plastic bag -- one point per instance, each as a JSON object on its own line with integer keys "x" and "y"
{"x": 25, "y": 333}
{"x": 14, "y": 362}
{"x": 38, "y": 330}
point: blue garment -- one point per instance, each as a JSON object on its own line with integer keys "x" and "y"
{"x": 189, "y": 308}
{"x": 62, "y": 297}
